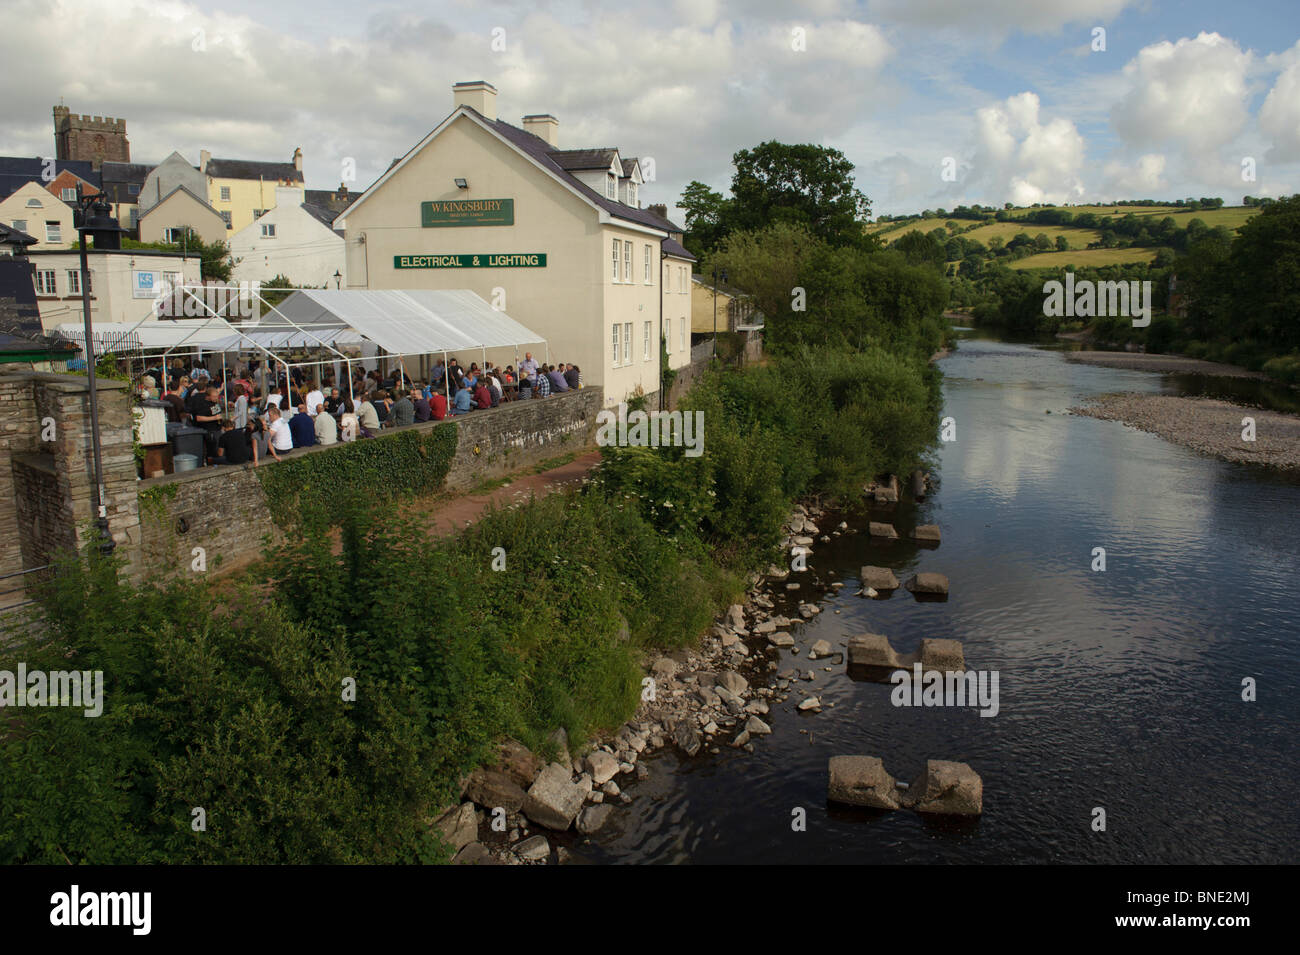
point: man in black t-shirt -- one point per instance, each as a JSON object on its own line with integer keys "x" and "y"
{"x": 205, "y": 409}
{"x": 233, "y": 447}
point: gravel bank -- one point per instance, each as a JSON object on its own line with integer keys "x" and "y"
{"x": 1206, "y": 425}
{"x": 1175, "y": 364}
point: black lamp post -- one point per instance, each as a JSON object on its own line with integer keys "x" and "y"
{"x": 715, "y": 307}
{"x": 338, "y": 279}
{"x": 94, "y": 217}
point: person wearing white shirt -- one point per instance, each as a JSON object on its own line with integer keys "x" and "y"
{"x": 279, "y": 440}
{"x": 315, "y": 398}
{"x": 240, "y": 411}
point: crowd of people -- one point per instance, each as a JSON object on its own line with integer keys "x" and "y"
{"x": 244, "y": 425}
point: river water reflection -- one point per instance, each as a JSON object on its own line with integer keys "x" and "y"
{"x": 1119, "y": 690}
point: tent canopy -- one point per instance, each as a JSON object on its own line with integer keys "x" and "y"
{"x": 149, "y": 336}
{"x": 413, "y": 322}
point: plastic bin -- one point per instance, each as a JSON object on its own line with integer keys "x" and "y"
{"x": 187, "y": 439}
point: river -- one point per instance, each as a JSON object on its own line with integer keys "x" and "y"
{"x": 1118, "y": 689}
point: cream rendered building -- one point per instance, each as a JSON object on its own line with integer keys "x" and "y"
{"x": 49, "y": 220}
{"x": 546, "y": 234}
{"x": 122, "y": 283}
{"x": 180, "y": 208}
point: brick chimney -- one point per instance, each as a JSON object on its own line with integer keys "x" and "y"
{"x": 659, "y": 208}
{"x": 478, "y": 96}
{"x": 205, "y": 157}
{"x": 544, "y": 126}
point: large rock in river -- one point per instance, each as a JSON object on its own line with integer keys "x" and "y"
{"x": 946, "y": 788}
{"x": 877, "y": 529}
{"x": 944, "y": 655}
{"x": 861, "y": 781}
{"x": 878, "y": 578}
{"x": 928, "y": 584}
{"x": 872, "y": 650}
{"x": 926, "y": 533}
{"x": 554, "y": 799}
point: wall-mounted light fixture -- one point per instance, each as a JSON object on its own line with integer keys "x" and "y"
{"x": 462, "y": 184}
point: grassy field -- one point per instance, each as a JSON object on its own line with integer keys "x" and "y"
{"x": 1078, "y": 238}
{"x": 1231, "y": 216}
{"x": 889, "y": 231}
{"x": 1084, "y": 257}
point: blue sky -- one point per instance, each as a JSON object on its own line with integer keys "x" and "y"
{"x": 1008, "y": 91}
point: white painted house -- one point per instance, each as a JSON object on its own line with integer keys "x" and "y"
{"x": 294, "y": 239}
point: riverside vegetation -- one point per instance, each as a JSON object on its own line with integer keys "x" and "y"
{"x": 237, "y": 701}
{"x": 1225, "y": 283}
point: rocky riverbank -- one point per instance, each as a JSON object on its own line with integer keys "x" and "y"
{"x": 517, "y": 810}
{"x": 1166, "y": 364}
{"x": 1206, "y": 425}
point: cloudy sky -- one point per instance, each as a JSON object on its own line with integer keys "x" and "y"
{"x": 1008, "y": 98}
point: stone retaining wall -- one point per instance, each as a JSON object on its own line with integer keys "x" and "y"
{"x": 223, "y": 510}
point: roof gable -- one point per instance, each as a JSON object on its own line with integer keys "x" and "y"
{"x": 543, "y": 155}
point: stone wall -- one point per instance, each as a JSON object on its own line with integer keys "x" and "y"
{"x": 46, "y": 457}
{"x": 521, "y": 434}
{"x": 224, "y": 512}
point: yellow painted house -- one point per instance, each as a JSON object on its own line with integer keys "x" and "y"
{"x": 242, "y": 189}
{"x": 729, "y": 308}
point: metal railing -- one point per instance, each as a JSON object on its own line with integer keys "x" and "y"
{"x": 13, "y": 584}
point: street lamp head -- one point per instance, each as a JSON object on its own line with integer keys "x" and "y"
{"x": 94, "y": 219}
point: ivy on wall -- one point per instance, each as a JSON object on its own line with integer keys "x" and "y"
{"x": 304, "y": 488}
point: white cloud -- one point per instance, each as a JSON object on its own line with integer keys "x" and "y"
{"x": 1142, "y": 178}
{"x": 1192, "y": 93}
{"x": 1023, "y": 158}
{"x": 1279, "y": 117}
{"x": 999, "y": 16}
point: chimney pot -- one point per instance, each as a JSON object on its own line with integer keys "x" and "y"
{"x": 544, "y": 126}
{"x": 479, "y": 96}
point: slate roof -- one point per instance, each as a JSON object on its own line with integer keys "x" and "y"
{"x": 578, "y": 159}
{"x": 17, "y": 171}
{"x": 324, "y": 216}
{"x": 253, "y": 169}
{"x": 672, "y": 247}
{"x": 541, "y": 151}
{"x": 628, "y": 166}
{"x": 11, "y": 236}
{"x": 330, "y": 199}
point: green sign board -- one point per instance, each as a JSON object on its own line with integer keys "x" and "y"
{"x": 440, "y": 213}
{"x": 472, "y": 260}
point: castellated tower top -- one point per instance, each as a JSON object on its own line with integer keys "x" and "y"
{"x": 96, "y": 139}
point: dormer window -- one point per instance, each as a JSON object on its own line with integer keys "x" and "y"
{"x": 611, "y": 186}
{"x": 631, "y": 193}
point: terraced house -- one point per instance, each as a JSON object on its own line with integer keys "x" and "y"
{"x": 555, "y": 237}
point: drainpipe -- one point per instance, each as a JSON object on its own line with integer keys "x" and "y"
{"x": 663, "y": 401}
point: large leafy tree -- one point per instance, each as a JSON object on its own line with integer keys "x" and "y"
{"x": 807, "y": 185}
{"x": 803, "y": 183}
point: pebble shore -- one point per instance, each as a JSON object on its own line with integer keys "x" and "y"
{"x": 1206, "y": 425}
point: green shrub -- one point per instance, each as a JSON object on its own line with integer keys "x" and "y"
{"x": 408, "y": 462}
